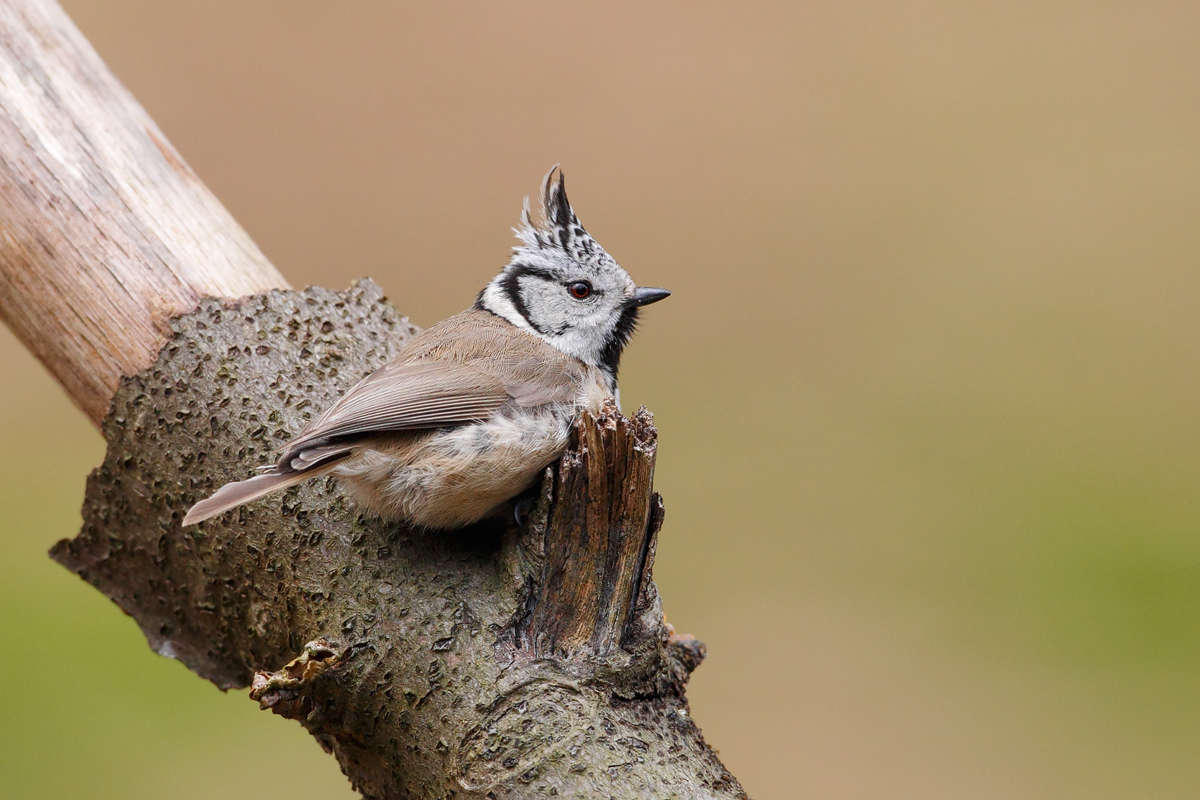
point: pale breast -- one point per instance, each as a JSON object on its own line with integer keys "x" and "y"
{"x": 455, "y": 476}
{"x": 451, "y": 478}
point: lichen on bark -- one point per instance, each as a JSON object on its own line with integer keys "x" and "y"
{"x": 495, "y": 661}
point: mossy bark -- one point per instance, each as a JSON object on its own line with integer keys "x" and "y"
{"x": 495, "y": 661}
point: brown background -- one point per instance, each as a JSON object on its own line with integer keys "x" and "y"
{"x": 927, "y": 389}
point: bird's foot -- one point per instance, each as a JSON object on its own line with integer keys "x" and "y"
{"x": 523, "y": 507}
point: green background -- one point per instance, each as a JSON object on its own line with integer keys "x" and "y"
{"x": 927, "y": 389}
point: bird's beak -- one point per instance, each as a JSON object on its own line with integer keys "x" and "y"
{"x": 645, "y": 296}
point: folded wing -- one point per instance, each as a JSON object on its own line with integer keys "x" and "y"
{"x": 405, "y": 396}
{"x": 461, "y": 380}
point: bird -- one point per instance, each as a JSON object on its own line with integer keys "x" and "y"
{"x": 468, "y": 416}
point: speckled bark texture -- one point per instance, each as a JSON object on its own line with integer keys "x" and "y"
{"x": 496, "y": 661}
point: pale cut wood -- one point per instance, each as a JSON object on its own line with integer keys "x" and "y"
{"x": 105, "y": 232}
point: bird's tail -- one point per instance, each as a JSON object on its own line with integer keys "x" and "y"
{"x": 232, "y": 495}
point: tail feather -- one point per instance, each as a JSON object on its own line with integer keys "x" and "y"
{"x": 232, "y": 495}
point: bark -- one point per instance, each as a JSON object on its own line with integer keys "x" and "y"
{"x": 502, "y": 660}
{"x": 105, "y": 232}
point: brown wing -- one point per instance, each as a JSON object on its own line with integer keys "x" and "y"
{"x": 461, "y": 370}
{"x": 458, "y": 371}
{"x": 412, "y": 396}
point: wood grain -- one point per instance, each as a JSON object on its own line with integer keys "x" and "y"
{"x": 105, "y": 232}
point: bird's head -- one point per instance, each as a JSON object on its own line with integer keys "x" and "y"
{"x": 560, "y": 285}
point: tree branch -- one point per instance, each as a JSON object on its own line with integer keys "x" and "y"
{"x": 105, "y": 232}
{"x": 494, "y": 661}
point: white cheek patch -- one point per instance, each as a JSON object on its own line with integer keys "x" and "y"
{"x": 586, "y": 346}
{"x": 496, "y": 301}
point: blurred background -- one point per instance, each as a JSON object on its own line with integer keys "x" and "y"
{"x": 927, "y": 389}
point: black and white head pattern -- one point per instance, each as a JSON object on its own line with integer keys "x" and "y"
{"x": 562, "y": 286}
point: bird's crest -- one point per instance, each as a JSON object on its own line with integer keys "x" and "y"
{"x": 558, "y": 227}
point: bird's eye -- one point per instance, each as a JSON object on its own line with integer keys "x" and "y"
{"x": 580, "y": 290}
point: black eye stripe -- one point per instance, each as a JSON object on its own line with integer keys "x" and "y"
{"x": 511, "y": 287}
